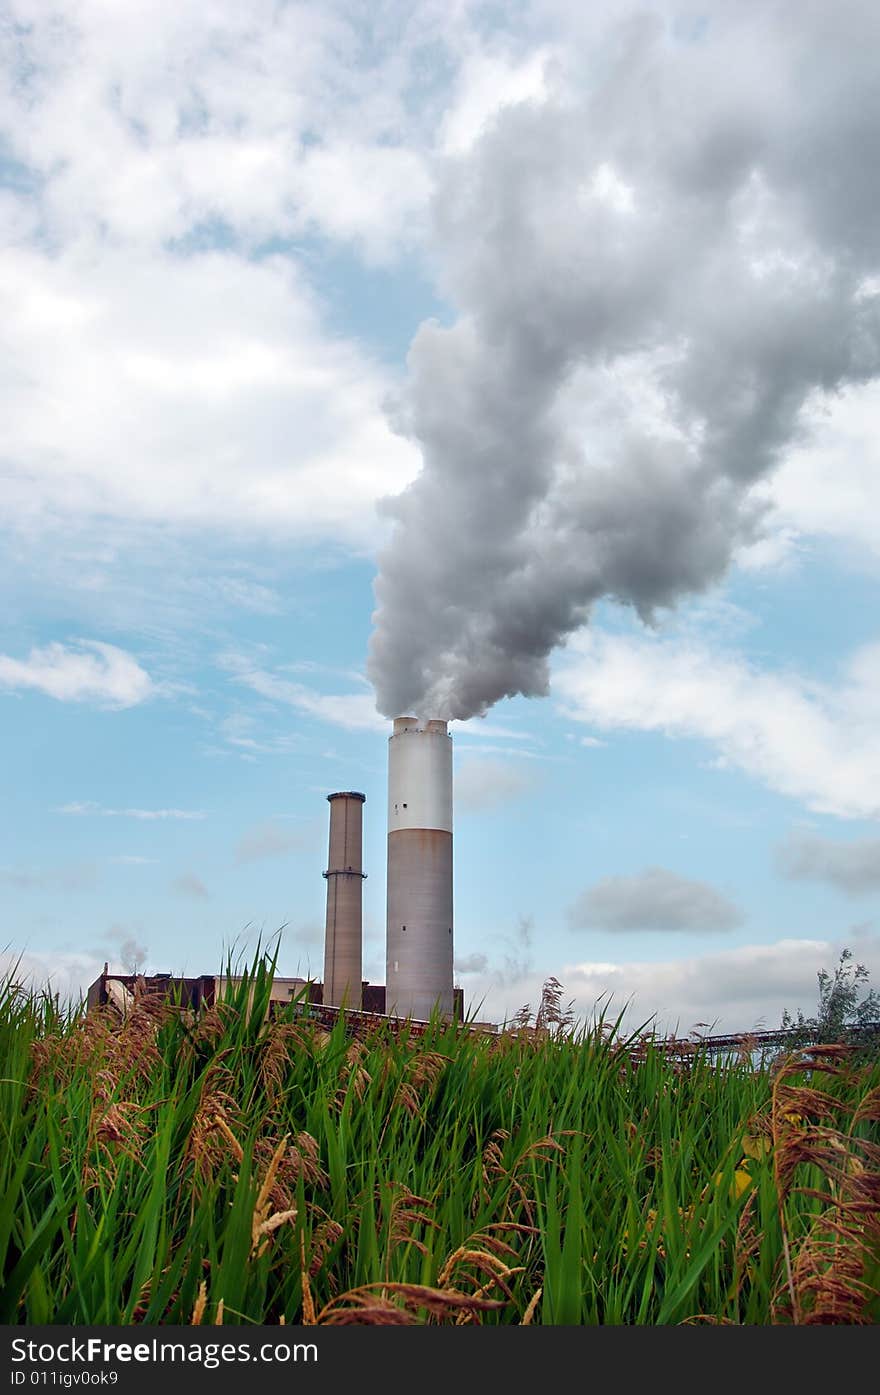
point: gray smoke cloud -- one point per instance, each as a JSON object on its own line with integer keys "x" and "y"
{"x": 131, "y": 953}
{"x": 654, "y": 272}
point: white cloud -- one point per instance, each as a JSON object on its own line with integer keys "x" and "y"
{"x": 364, "y": 193}
{"x": 655, "y": 899}
{"x": 68, "y": 974}
{"x": 735, "y": 989}
{"x": 89, "y": 672}
{"x": 827, "y": 485}
{"x": 196, "y": 388}
{"x": 853, "y": 868}
{"x": 244, "y": 733}
{"x": 816, "y": 742}
{"x": 167, "y": 367}
{"x": 195, "y": 391}
{"x": 148, "y": 120}
{"x": 488, "y": 82}
{"x": 730, "y": 990}
{"x": 352, "y": 711}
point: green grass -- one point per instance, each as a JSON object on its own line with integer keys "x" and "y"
{"x": 259, "y": 1170}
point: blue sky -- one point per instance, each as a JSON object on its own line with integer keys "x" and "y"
{"x": 253, "y": 271}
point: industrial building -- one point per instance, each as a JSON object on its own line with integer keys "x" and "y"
{"x": 121, "y": 990}
{"x": 419, "y": 903}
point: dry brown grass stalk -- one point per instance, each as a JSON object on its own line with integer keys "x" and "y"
{"x": 408, "y": 1212}
{"x": 113, "y": 1052}
{"x": 304, "y": 1160}
{"x": 222, "y": 1127}
{"x": 216, "y": 1119}
{"x": 482, "y": 1270}
{"x": 373, "y": 1305}
{"x": 494, "y": 1170}
{"x": 826, "y": 1269}
{"x": 122, "y": 1127}
{"x": 532, "y": 1308}
{"x": 309, "y": 1317}
{"x": 265, "y": 1221}
{"x": 324, "y": 1237}
{"x": 199, "y": 1306}
{"x": 301, "y": 1160}
{"x": 280, "y": 1041}
{"x": 353, "y": 1078}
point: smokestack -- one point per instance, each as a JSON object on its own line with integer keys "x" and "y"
{"x": 343, "y": 938}
{"x": 419, "y": 926}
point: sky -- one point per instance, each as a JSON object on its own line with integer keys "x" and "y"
{"x": 515, "y": 364}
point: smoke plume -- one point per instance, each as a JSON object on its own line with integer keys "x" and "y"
{"x": 655, "y": 267}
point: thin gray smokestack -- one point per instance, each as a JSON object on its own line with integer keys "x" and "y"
{"x": 651, "y": 283}
{"x": 343, "y": 939}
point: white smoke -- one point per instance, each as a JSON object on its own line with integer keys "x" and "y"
{"x": 654, "y": 269}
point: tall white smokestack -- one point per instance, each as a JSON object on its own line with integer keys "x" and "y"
{"x": 419, "y": 928}
{"x": 343, "y": 936}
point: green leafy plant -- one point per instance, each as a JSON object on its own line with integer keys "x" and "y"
{"x": 847, "y": 1008}
{"x": 169, "y": 1166}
